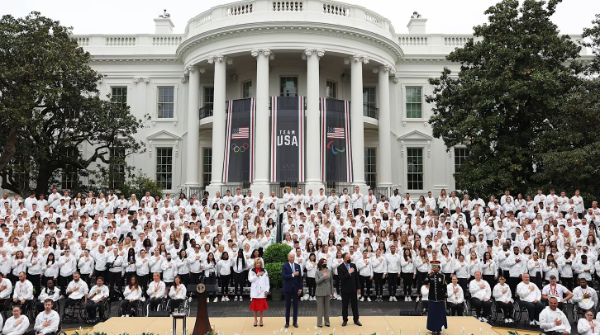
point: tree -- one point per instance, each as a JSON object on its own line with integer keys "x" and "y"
{"x": 572, "y": 150}
{"x": 513, "y": 79}
{"x": 52, "y": 120}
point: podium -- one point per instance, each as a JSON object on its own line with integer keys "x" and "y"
{"x": 202, "y": 326}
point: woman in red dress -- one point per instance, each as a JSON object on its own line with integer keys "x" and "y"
{"x": 259, "y": 290}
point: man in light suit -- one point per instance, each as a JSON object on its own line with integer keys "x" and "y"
{"x": 292, "y": 287}
{"x": 350, "y": 284}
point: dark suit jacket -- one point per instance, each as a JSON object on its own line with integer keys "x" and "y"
{"x": 349, "y": 281}
{"x": 291, "y": 283}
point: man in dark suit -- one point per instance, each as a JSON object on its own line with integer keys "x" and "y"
{"x": 292, "y": 288}
{"x": 350, "y": 283}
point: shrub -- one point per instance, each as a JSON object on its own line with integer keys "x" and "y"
{"x": 276, "y": 253}
{"x": 275, "y": 278}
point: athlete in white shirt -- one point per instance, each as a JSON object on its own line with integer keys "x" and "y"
{"x": 553, "y": 320}
{"x": 531, "y": 297}
{"x": 17, "y": 324}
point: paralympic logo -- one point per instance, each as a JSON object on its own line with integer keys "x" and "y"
{"x": 239, "y": 148}
{"x": 334, "y": 149}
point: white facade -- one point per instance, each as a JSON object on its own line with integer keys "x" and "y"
{"x": 321, "y": 43}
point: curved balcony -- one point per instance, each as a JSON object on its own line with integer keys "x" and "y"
{"x": 265, "y": 11}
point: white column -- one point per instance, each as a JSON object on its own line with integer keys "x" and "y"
{"x": 313, "y": 122}
{"x": 193, "y": 128}
{"x": 219, "y": 118}
{"x": 384, "y": 154}
{"x": 357, "y": 124}
{"x": 262, "y": 157}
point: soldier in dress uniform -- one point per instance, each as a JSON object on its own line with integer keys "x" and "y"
{"x": 436, "y": 318}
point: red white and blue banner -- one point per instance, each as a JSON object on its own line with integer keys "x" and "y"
{"x": 287, "y": 139}
{"x": 336, "y": 150}
{"x": 239, "y": 144}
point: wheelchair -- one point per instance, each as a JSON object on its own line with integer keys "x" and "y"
{"x": 29, "y": 307}
{"x": 519, "y": 311}
{"x": 78, "y": 312}
{"x": 469, "y": 309}
{"x": 162, "y": 305}
{"x": 579, "y": 313}
{"x": 421, "y": 307}
{"x": 140, "y": 308}
{"x": 466, "y": 309}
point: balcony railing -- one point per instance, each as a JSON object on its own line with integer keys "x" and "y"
{"x": 206, "y": 111}
{"x": 371, "y": 111}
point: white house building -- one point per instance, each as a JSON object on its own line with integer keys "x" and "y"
{"x": 261, "y": 49}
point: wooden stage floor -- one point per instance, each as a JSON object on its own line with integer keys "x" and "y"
{"x": 383, "y": 325}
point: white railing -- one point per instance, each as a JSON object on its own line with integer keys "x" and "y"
{"x": 240, "y": 9}
{"x": 126, "y": 41}
{"x": 372, "y": 19}
{"x": 288, "y": 6}
{"x": 166, "y": 40}
{"x": 336, "y": 9}
{"x": 83, "y": 41}
{"x": 203, "y": 19}
{"x": 412, "y": 40}
{"x": 455, "y": 41}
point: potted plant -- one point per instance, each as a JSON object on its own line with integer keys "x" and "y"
{"x": 274, "y": 257}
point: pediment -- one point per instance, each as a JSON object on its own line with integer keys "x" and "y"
{"x": 164, "y": 136}
{"x": 415, "y": 135}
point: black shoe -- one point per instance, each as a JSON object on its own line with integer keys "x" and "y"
{"x": 287, "y": 326}
{"x": 357, "y": 323}
{"x": 344, "y": 324}
{"x": 295, "y": 325}
{"x": 327, "y": 325}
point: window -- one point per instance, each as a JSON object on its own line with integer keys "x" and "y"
{"x": 331, "y": 89}
{"x": 166, "y": 102}
{"x": 206, "y": 166}
{"x": 119, "y": 96}
{"x": 460, "y": 155}
{"x": 288, "y": 86}
{"x": 414, "y": 102}
{"x": 414, "y": 168}
{"x": 247, "y": 89}
{"x": 164, "y": 167}
{"x": 371, "y": 167}
{"x": 370, "y": 104}
{"x": 69, "y": 172}
{"x": 116, "y": 177}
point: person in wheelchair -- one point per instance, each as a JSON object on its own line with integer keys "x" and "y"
{"x": 49, "y": 292}
{"x": 588, "y": 325}
{"x": 504, "y": 301}
{"x": 17, "y": 324}
{"x": 481, "y": 294}
{"x": 177, "y": 293}
{"x": 530, "y": 297}
{"x": 585, "y": 297}
{"x": 5, "y": 290}
{"x": 98, "y": 294}
{"x": 156, "y": 291}
{"x": 23, "y": 294}
{"x": 456, "y": 297}
{"x": 47, "y": 321}
{"x": 77, "y": 291}
{"x": 131, "y": 297}
{"x": 553, "y": 321}
{"x": 556, "y": 290}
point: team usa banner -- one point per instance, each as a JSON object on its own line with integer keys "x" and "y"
{"x": 287, "y": 139}
{"x": 336, "y": 151}
{"x": 239, "y": 144}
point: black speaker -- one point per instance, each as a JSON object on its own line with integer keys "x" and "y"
{"x": 159, "y": 314}
{"x": 410, "y": 313}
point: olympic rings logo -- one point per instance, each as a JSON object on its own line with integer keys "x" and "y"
{"x": 240, "y": 148}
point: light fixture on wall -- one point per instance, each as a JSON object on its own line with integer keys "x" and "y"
{"x": 344, "y": 76}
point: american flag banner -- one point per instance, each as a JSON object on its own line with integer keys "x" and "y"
{"x": 241, "y": 133}
{"x": 336, "y": 132}
{"x": 336, "y": 149}
{"x": 239, "y": 143}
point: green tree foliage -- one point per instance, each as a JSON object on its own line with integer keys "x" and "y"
{"x": 572, "y": 149}
{"x": 514, "y": 78}
{"x": 52, "y": 118}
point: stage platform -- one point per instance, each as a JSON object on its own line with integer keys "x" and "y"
{"x": 384, "y": 325}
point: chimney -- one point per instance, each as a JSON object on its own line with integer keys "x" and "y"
{"x": 417, "y": 24}
{"x": 163, "y": 24}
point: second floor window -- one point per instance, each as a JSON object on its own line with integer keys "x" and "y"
{"x": 247, "y": 89}
{"x": 166, "y": 102}
{"x": 118, "y": 95}
{"x": 331, "y": 89}
{"x": 288, "y": 86}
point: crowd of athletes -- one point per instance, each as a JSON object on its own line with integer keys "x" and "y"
{"x": 94, "y": 247}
